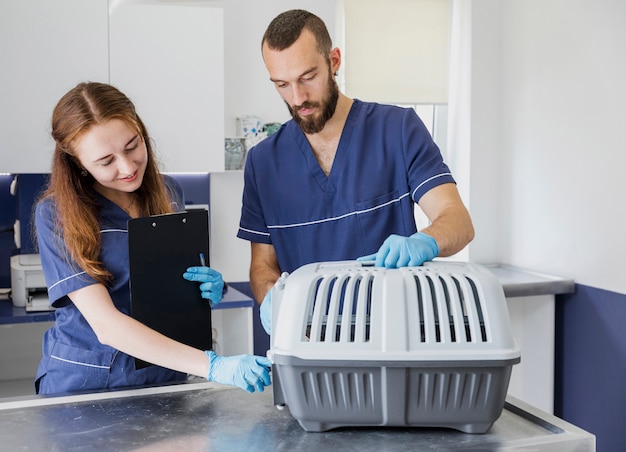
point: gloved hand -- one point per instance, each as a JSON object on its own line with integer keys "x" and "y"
{"x": 246, "y": 371}
{"x": 266, "y": 312}
{"x": 397, "y": 251}
{"x": 212, "y": 283}
{"x": 266, "y": 305}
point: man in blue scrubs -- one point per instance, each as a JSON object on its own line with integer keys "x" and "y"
{"x": 339, "y": 180}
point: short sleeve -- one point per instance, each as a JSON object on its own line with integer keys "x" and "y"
{"x": 425, "y": 164}
{"x": 62, "y": 273}
{"x": 252, "y": 225}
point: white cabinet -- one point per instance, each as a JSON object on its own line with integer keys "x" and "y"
{"x": 20, "y": 351}
{"x": 46, "y": 47}
{"x": 233, "y": 332}
{"x": 167, "y": 56}
{"x": 532, "y": 321}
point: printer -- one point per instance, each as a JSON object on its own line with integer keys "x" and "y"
{"x": 28, "y": 285}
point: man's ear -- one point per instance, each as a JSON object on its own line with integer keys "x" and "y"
{"x": 335, "y": 60}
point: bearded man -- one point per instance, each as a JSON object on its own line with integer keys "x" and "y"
{"x": 339, "y": 180}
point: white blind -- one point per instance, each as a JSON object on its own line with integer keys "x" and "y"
{"x": 396, "y": 51}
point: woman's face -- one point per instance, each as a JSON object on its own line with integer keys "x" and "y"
{"x": 115, "y": 155}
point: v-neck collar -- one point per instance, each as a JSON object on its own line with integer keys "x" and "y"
{"x": 113, "y": 209}
{"x": 328, "y": 183}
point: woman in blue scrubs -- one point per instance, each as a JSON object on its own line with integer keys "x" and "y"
{"x": 103, "y": 174}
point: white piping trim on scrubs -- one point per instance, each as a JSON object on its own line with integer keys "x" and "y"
{"x": 79, "y": 363}
{"x": 426, "y": 181}
{"x": 349, "y": 214}
{"x": 65, "y": 279}
{"x": 83, "y": 273}
{"x": 356, "y": 212}
{"x": 254, "y": 232}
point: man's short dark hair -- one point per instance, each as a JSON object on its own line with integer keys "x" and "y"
{"x": 287, "y": 27}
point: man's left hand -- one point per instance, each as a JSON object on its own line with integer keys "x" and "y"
{"x": 398, "y": 251}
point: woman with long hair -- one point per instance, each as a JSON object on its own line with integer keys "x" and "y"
{"x": 104, "y": 173}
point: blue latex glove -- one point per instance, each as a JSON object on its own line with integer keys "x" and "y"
{"x": 266, "y": 312}
{"x": 398, "y": 251}
{"x": 266, "y": 304}
{"x": 212, "y": 285}
{"x": 246, "y": 371}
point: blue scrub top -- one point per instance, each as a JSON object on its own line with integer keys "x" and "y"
{"x": 386, "y": 160}
{"x": 73, "y": 358}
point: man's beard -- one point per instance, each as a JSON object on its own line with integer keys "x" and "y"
{"x": 310, "y": 124}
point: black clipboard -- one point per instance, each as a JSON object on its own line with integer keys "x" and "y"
{"x": 160, "y": 249}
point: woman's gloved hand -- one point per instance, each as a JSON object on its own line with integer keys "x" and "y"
{"x": 212, "y": 286}
{"x": 398, "y": 251}
{"x": 246, "y": 371}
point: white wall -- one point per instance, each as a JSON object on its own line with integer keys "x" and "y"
{"x": 473, "y": 137}
{"x": 560, "y": 113}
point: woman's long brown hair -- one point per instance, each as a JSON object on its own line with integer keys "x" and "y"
{"x": 72, "y": 190}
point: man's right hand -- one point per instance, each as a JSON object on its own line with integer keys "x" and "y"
{"x": 266, "y": 312}
{"x": 266, "y": 304}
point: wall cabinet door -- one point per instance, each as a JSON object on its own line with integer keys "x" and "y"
{"x": 46, "y": 47}
{"x": 167, "y": 56}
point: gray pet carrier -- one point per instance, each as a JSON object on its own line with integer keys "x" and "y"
{"x": 357, "y": 345}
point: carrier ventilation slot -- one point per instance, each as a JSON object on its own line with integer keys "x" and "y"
{"x": 449, "y": 309}
{"x": 340, "y": 309}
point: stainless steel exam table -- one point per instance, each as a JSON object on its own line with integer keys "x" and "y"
{"x": 201, "y": 416}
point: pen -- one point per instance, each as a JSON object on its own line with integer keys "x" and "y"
{"x": 202, "y": 261}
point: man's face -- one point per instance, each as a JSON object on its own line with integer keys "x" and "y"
{"x": 303, "y": 78}
{"x": 323, "y": 110}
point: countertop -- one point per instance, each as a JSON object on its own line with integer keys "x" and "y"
{"x": 202, "y": 416}
{"x": 519, "y": 282}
